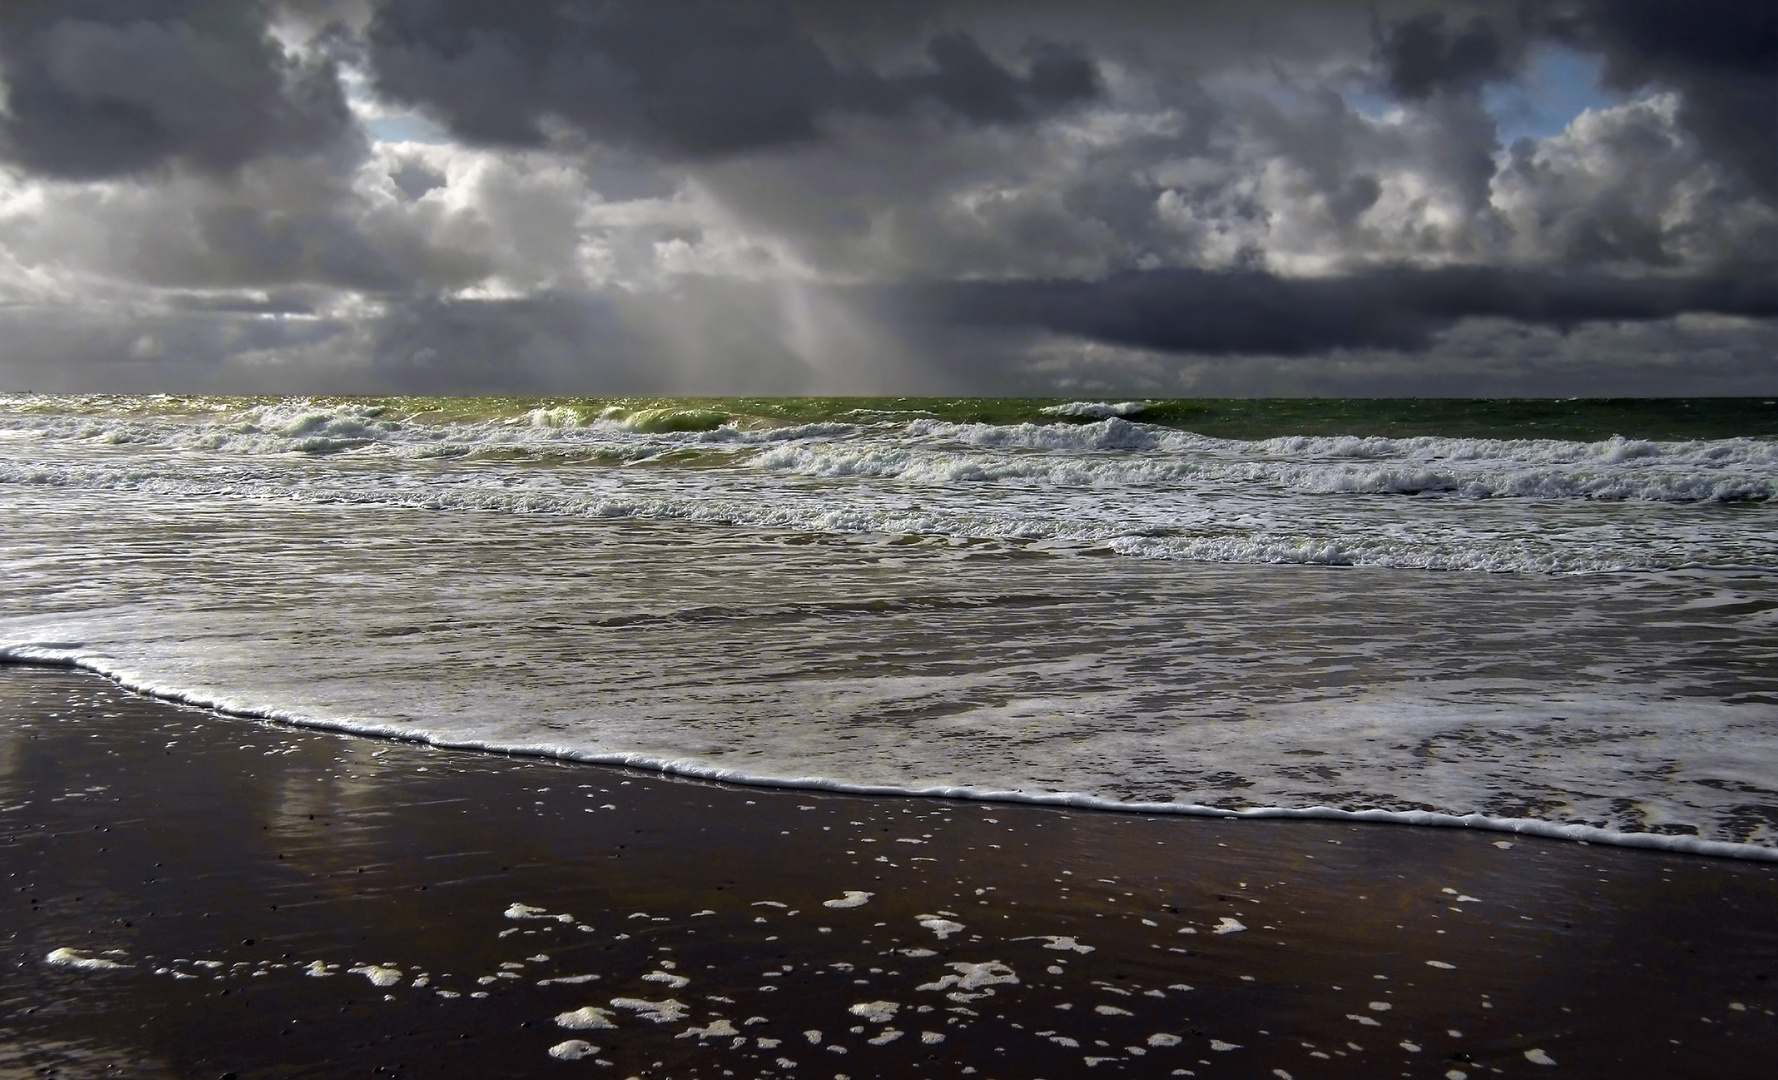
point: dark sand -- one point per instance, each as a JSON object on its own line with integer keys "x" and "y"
{"x": 215, "y": 860}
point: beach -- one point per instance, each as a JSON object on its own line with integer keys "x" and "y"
{"x": 191, "y": 894}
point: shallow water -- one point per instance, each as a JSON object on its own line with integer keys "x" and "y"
{"x": 1104, "y": 611}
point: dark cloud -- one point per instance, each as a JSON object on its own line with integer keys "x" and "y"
{"x": 968, "y": 81}
{"x": 415, "y": 178}
{"x": 278, "y": 304}
{"x": 710, "y": 335}
{"x": 531, "y": 344}
{"x": 693, "y": 78}
{"x": 52, "y": 348}
{"x": 1722, "y": 57}
{"x": 97, "y": 88}
{"x": 1425, "y": 54}
{"x": 240, "y": 243}
{"x": 1192, "y": 311}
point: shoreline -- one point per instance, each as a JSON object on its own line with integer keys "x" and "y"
{"x": 31, "y": 656}
{"x": 192, "y": 894}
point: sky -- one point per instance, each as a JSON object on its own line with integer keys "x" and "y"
{"x": 613, "y": 197}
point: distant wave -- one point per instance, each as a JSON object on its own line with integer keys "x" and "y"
{"x": 1109, "y": 452}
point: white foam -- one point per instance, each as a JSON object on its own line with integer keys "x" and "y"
{"x": 1094, "y": 410}
{"x": 379, "y": 976}
{"x": 1673, "y": 842}
{"x": 717, "y": 1028}
{"x": 944, "y": 928}
{"x": 1226, "y": 925}
{"x": 852, "y": 899}
{"x": 572, "y": 1050}
{"x": 1060, "y": 943}
{"x": 74, "y": 958}
{"x": 526, "y": 911}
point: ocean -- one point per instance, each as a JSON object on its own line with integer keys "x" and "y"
{"x": 1558, "y": 618}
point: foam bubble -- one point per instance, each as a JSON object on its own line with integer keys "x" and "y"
{"x": 973, "y": 976}
{"x": 877, "y": 1012}
{"x": 587, "y": 1018}
{"x": 661, "y": 1012}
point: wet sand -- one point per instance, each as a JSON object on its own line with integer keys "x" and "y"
{"x": 199, "y": 896}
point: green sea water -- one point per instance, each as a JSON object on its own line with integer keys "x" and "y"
{"x": 1577, "y": 419}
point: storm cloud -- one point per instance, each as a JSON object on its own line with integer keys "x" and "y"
{"x": 97, "y": 88}
{"x": 954, "y": 196}
{"x": 1722, "y": 58}
{"x": 1195, "y": 311}
{"x": 697, "y": 78}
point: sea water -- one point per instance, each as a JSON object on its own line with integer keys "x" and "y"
{"x": 1554, "y": 617}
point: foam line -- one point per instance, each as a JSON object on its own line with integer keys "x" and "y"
{"x": 41, "y": 656}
